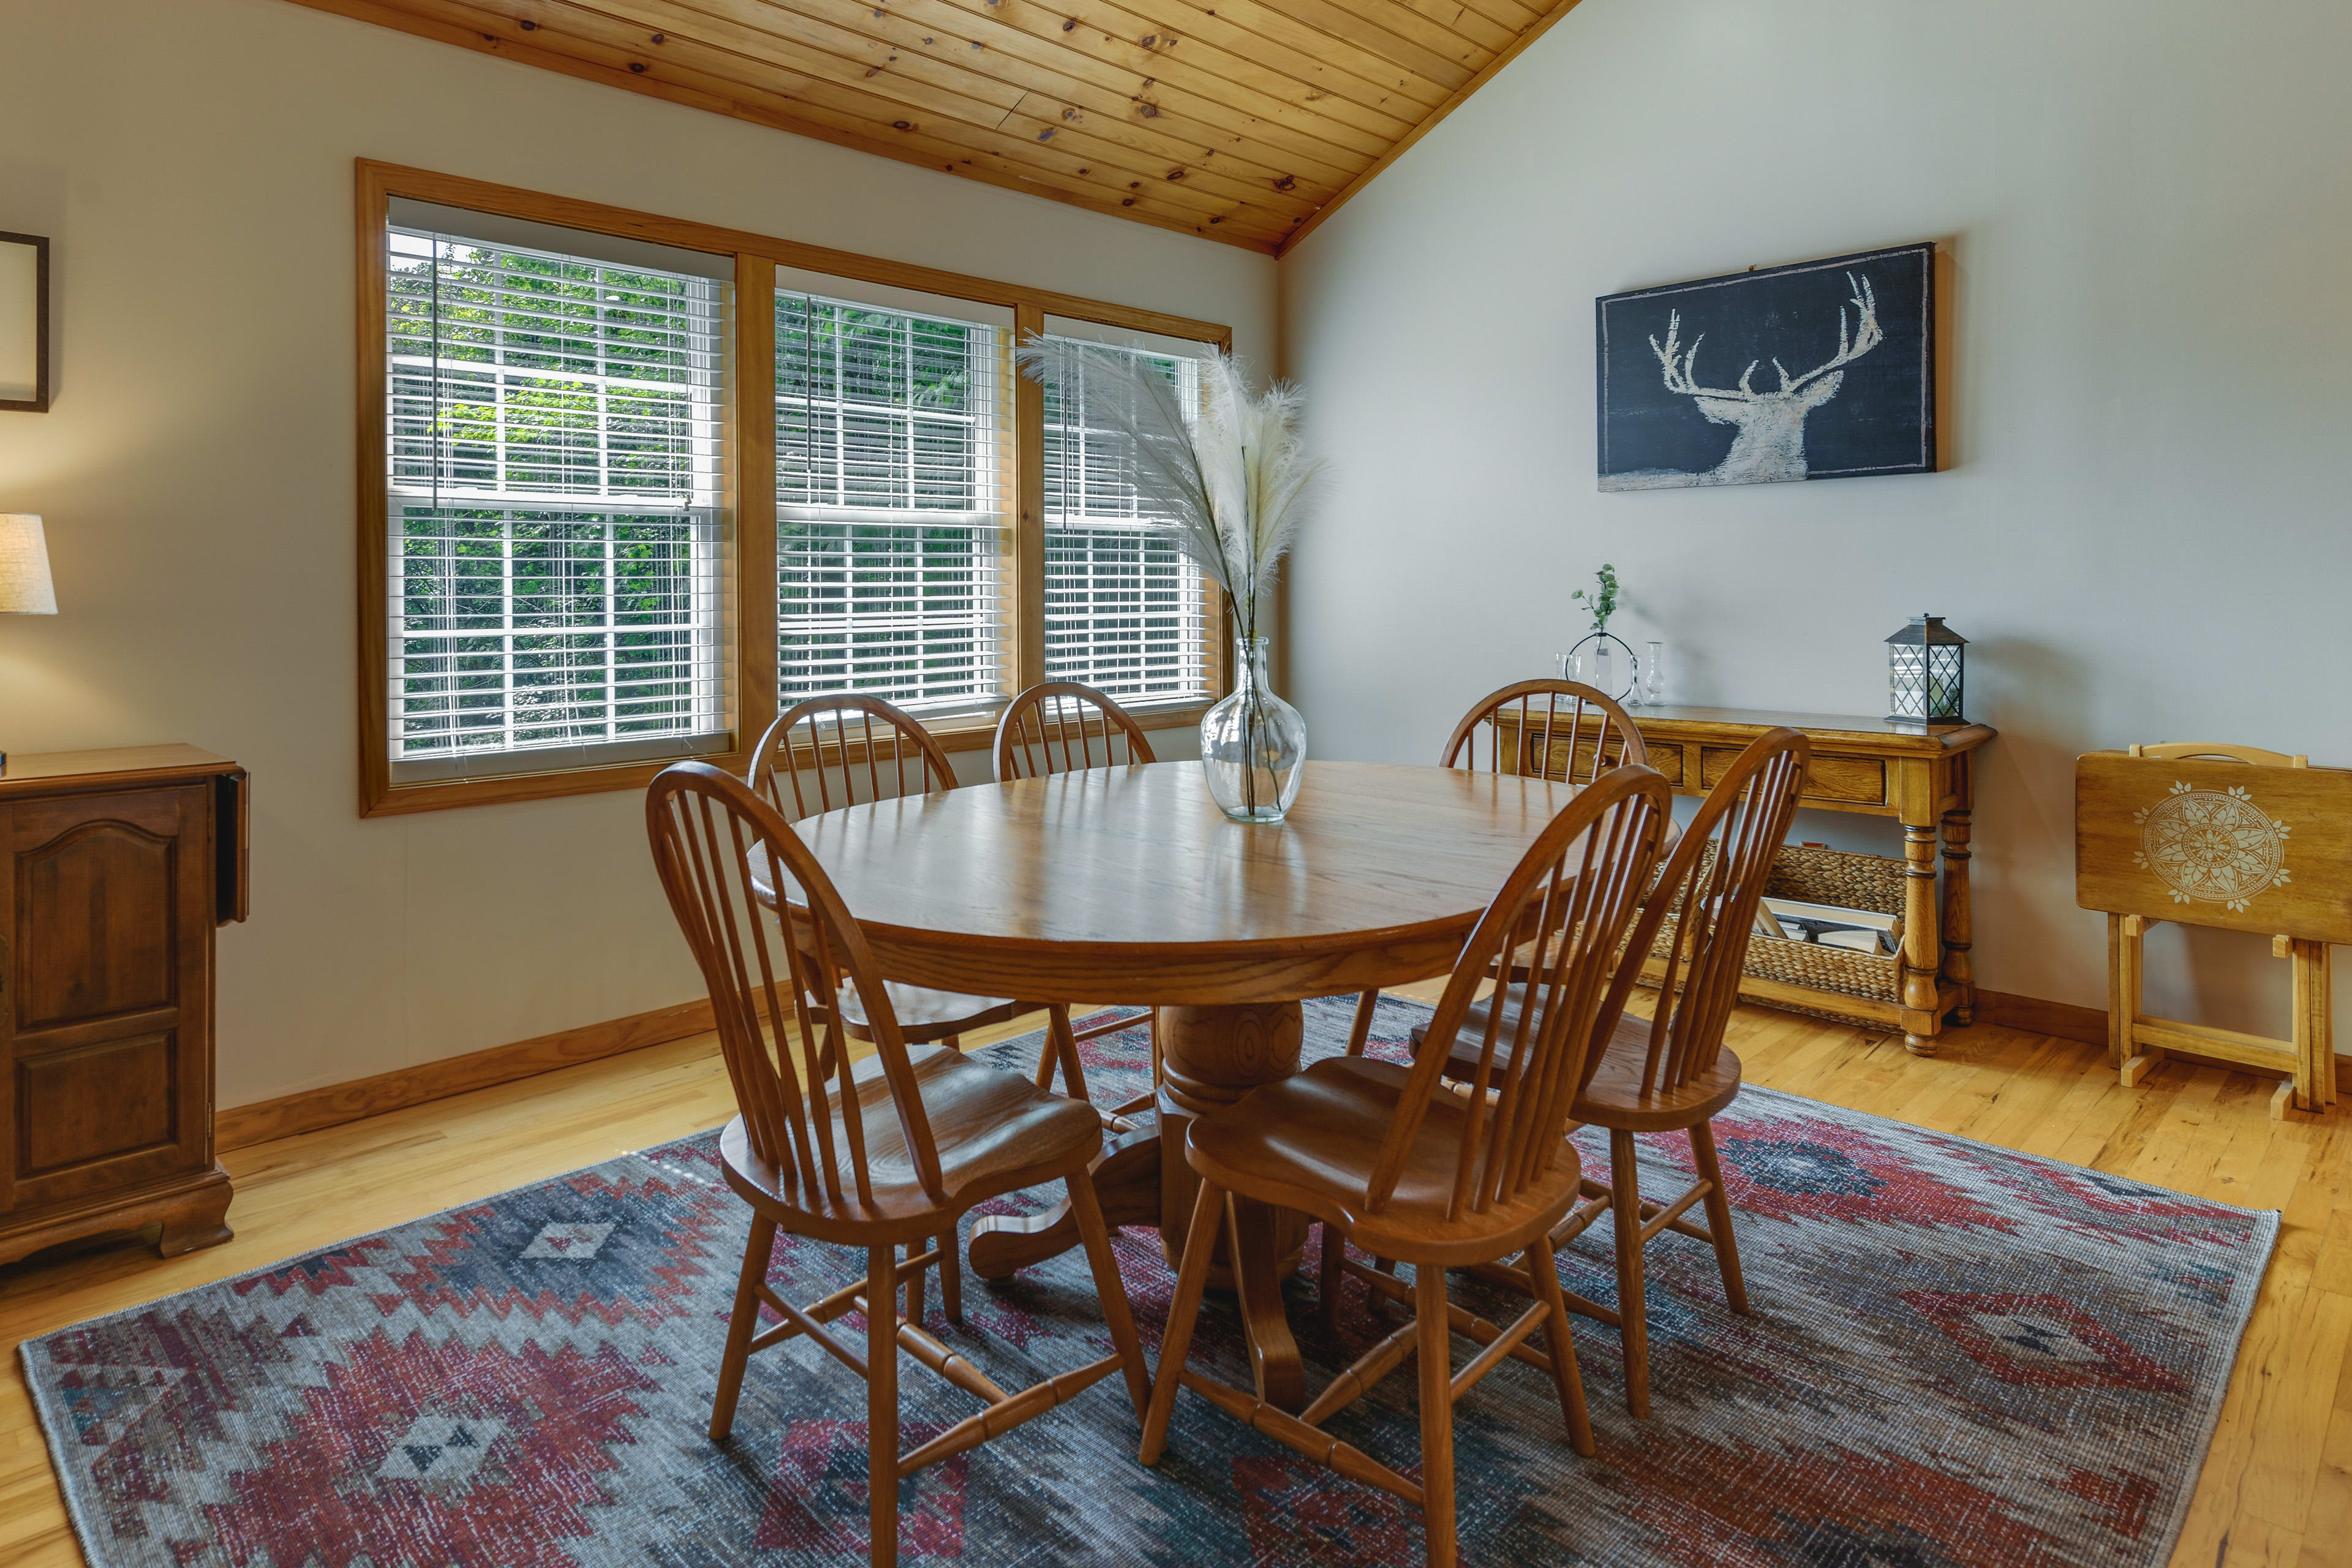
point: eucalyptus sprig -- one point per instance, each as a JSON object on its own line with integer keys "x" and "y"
{"x": 1602, "y": 603}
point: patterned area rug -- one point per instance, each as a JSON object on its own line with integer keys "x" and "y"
{"x": 1957, "y": 1356}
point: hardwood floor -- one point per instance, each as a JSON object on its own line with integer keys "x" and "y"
{"x": 2277, "y": 1489}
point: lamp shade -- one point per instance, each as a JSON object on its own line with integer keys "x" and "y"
{"x": 24, "y": 585}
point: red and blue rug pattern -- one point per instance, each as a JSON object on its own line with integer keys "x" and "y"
{"x": 1960, "y": 1357}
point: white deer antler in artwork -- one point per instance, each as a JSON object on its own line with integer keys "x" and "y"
{"x": 1772, "y": 441}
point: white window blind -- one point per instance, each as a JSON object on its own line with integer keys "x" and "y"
{"x": 892, "y": 459}
{"x": 556, "y": 542}
{"x": 1125, "y": 611}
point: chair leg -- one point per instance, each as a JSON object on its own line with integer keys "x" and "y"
{"x": 1328, "y": 1278}
{"x": 1377, "y": 1302}
{"x": 1065, "y": 1045}
{"x": 1191, "y": 1278}
{"x": 950, "y": 1278}
{"x": 1625, "y": 1208}
{"x": 882, "y": 1402}
{"x": 742, "y": 1324}
{"x": 1718, "y": 1215}
{"x": 1360, "y": 1030}
{"x": 1543, "y": 1267}
{"x": 1051, "y": 1051}
{"x": 914, "y": 1288}
{"x": 1433, "y": 1349}
{"x": 1088, "y": 1210}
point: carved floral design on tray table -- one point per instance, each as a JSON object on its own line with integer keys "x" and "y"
{"x": 2212, "y": 845}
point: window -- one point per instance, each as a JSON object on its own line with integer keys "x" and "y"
{"x": 1125, "y": 611}
{"x": 553, "y": 518}
{"x": 642, "y": 483}
{"x": 893, "y": 465}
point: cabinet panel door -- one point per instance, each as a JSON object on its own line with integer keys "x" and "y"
{"x": 110, "y": 985}
{"x": 96, "y": 907}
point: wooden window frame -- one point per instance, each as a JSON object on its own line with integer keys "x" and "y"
{"x": 749, "y": 498}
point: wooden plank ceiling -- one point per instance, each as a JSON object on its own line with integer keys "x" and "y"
{"x": 1243, "y": 120}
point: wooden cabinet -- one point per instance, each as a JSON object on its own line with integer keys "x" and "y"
{"x": 116, "y": 868}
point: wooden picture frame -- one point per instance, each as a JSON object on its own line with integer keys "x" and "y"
{"x": 1839, "y": 379}
{"x": 23, "y": 323}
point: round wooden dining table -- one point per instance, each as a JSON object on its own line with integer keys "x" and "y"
{"x": 1128, "y": 885}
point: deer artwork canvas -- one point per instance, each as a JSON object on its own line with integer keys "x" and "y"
{"x": 1818, "y": 371}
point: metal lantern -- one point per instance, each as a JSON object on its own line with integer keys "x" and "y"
{"x": 1924, "y": 664}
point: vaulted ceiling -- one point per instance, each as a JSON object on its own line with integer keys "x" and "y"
{"x": 1245, "y": 120}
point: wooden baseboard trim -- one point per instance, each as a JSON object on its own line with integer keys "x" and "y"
{"x": 2035, "y": 1016}
{"x": 242, "y": 1126}
{"x": 2089, "y": 1025}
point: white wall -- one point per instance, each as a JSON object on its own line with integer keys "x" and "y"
{"x": 2148, "y": 208}
{"x": 192, "y": 161}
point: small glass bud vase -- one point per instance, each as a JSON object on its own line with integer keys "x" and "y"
{"x": 1254, "y": 745}
{"x": 1652, "y": 684}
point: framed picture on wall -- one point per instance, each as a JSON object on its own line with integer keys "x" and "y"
{"x": 1824, "y": 370}
{"x": 23, "y": 323}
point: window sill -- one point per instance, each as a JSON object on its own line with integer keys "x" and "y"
{"x": 403, "y": 800}
{"x": 971, "y": 733}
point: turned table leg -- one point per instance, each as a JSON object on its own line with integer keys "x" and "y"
{"x": 1958, "y": 968}
{"x": 1922, "y": 955}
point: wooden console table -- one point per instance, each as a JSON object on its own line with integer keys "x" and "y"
{"x": 1915, "y": 773}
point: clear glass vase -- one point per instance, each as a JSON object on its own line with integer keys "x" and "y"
{"x": 1253, "y": 744}
{"x": 1597, "y": 666}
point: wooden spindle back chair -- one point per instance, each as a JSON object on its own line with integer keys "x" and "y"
{"x": 1574, "y": 892}
{"x": 1521, "y": 722}
{"x": 1746, "y": 817}
{"x": 893, "y": 1149}
{"x": 1670, "y": 1072}
{"x": 715, "y": 851}
{"x": 1386, "y": 1159}
{"x": 848, "y": 749}
{"x": 1060, "y": 726}
{"x": 831, "y": 751}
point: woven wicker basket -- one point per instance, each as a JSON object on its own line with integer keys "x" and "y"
{"x": 1835, "y": 876}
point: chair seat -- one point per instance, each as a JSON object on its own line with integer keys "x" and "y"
{"x": 926, "y": 1015}
{"x": 1309, "y": 1143}
{"x": 1613, "y": 1098}
{"x": 995, "y": 1132}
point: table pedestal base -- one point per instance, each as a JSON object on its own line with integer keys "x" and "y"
{"x": 1210, "y": 1057}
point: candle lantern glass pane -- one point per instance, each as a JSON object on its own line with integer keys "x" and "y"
{"x": 1907, "y": 685}
{"x": 1943, "y": 683}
